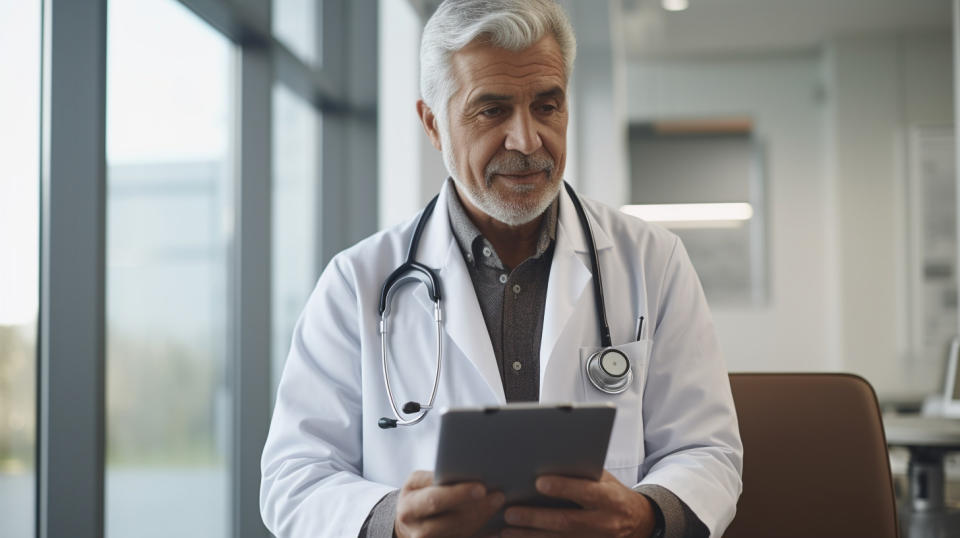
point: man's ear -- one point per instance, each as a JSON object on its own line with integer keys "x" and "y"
{"x": 429, "y": 121}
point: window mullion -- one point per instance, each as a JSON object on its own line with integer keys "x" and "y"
{"x": 72, "y": 327}
{"x": 251, "y": 312}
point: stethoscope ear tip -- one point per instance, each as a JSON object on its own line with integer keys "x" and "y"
{"x": 387, "y": 423}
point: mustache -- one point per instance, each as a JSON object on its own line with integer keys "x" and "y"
{"x": 515, "y": 163}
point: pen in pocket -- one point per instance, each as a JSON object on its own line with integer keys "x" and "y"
{"x": 639, "y": 327}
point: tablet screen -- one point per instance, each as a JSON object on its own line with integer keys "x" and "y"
{"x": 508, "y": 447}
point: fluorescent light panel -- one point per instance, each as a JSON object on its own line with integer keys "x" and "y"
{"x": 689, "y": 215}
{"x": 676, "y": 5}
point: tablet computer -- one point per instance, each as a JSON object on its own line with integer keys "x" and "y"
{"x": 508, "y": 447}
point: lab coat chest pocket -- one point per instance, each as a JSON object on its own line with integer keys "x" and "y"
{"x": 626, "y": 451}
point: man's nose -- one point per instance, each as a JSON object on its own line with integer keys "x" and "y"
{"x": 522, "y": 134}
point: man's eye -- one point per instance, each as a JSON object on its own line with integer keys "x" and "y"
{"x": 548, "y": 109}
{"x": 491, "y": 112}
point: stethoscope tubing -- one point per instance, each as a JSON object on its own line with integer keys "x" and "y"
{"x": 605, "y": 340}
{"x": 438, "y": 317}
{"x": 411, "y": 270}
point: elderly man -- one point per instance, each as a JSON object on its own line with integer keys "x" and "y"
{"x": 514, "y": 268}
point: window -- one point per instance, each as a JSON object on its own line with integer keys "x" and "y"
{"x": 213, "y": 156}
{"x": 19, "y": 263}
{"x": 169, "y": 215}
{"x": 296, "y": 191}
{"x": 296, "y": 24}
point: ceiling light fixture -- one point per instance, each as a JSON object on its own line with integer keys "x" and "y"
{"x": 676, "y": 5}
{"x": 693, "y": 215}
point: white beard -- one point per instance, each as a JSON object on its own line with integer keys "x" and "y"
{"x": 508, "y": 210}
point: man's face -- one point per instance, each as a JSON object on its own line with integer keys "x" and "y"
{"x": 508, "y": 128}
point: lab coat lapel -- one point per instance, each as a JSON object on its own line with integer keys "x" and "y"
{"x": 570, "y": 277}
{"x": 462, "y": 319}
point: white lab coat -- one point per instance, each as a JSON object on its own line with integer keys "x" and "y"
{"x": 326, "y": 463}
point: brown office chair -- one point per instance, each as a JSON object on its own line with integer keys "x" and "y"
{"x": 815, "y": 458}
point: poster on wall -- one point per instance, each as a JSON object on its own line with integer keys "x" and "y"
{"x": 933, "y": 239}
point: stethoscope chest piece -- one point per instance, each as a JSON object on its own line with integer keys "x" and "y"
{"x": 609, "y": 371}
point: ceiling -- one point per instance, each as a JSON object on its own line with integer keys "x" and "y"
{"x": 726, "y": 27}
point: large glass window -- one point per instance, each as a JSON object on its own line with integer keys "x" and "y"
{"x": 19, "y": 262}
{"x": 297, "y": 24}
{"x": 296, "y": 186}
{"x": 169, "y": 215}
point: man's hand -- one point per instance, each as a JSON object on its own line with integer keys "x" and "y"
{"x": 609, "y": 509}
{"x": 425, "y": 510}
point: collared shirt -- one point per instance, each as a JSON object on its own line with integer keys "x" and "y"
{"x": 512, "y": 301}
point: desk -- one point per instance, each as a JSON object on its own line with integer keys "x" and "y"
{"x": 929, "y": 439}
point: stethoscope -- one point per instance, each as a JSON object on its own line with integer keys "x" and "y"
{"x": 607, "y": 369}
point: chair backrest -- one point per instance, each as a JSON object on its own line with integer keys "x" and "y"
{"x": 815, "y": 458}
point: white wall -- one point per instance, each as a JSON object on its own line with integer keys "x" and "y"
{"x": 597, "y": 161}
{"x": 879, "y": 87}
{"x": 411, "y": 170}
{"x": 780, "y": 94}
{"x": 833, "y": 123}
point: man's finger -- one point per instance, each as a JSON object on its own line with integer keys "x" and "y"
{"x": 418, "y": 480}
{"x": 563, "y": 520}
{"x": 586, "y": 493}
{"x": 515, "y": 532}
{"x": 435, "y": 500}
{"x": 466, "y": 519}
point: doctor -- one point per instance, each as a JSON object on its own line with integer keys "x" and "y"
{"x": 519, "y": 320}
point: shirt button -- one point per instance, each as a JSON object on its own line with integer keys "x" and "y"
{"x": 487, "y": 252}
{"x": 503, "y": 278}
{"x": 516, "y": 288}
{"x": 517, "y": 366}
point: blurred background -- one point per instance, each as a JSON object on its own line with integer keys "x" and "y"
{"x": 237, "y": 145}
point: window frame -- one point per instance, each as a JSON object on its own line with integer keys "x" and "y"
{"x": 71, "y": 395}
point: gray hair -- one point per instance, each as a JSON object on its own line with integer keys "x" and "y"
{"x": 509, "y": 24}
